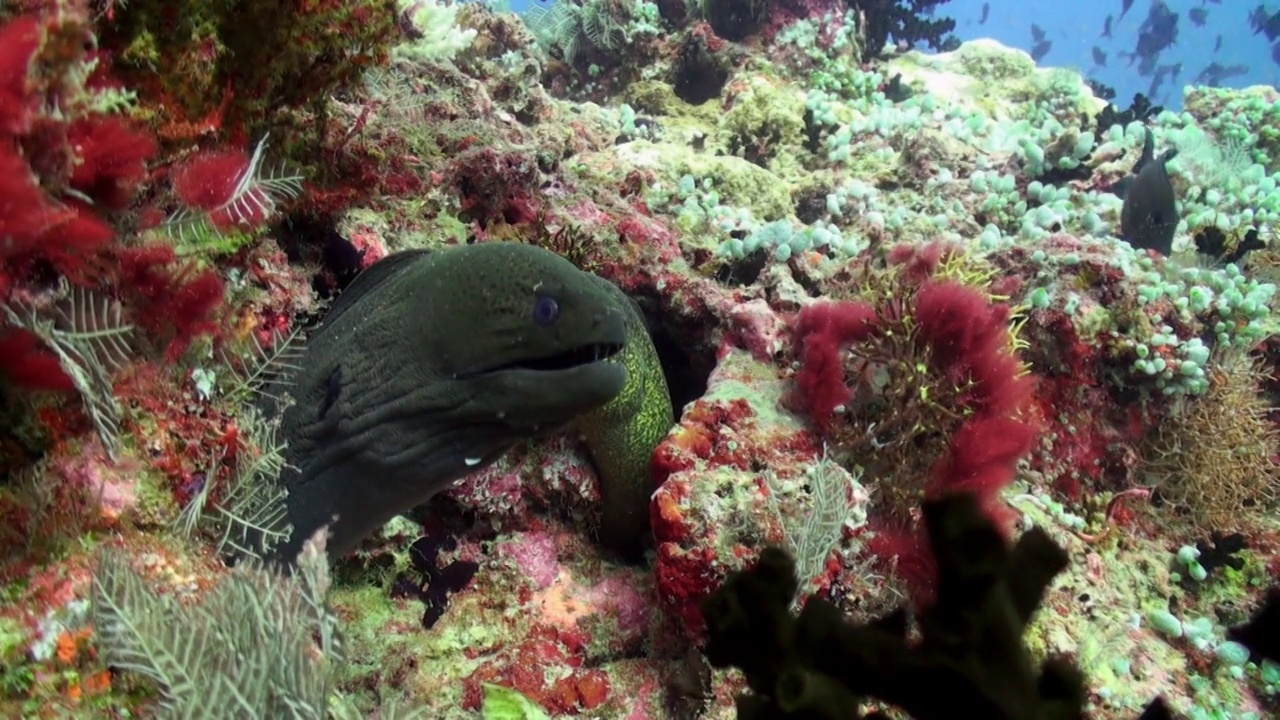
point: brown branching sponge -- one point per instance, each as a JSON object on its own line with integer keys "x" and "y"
{"x": 969, "y": 661}
{"x": 1215, "y": 459}
{"x": 259, "y": 645}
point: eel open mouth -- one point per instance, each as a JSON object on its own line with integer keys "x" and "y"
{"x": 577, "y": 357}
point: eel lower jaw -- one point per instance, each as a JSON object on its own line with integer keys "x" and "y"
{"x": 529, "y": 401}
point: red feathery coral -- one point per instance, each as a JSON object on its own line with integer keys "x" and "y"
{"x": 230, "y": 189}
{"x": 982, "y": 458}
{"x": 823, "y": 328}
{"x": 74, "y": 245}
{"x": 26, "y": 212}
{"x": 965, "y": 339}
{"x": 208, "y": 180}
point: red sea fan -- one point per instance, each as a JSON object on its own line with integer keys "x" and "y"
{"x": 823, "y": 329}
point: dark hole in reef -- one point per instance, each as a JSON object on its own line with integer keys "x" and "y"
{"x": 812, "y": 133}
{"x": 734, "y": 20}
{"x": 698, "y": 76}
{"x": 314, "y": 240}
{"x": 745, "y": 271}
{"x": 811, "y": 204}
{"x": 686, "y": 356}
{"x": 1059, "y": 177}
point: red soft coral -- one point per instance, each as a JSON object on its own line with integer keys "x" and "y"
{"x": 111, "y": 159}
{"x": 982, "y": 458}
{"x": 965, "y": 338}
{"x": 26, "y": 363}
{"x": 172, "y": 299}
{"x": 25, "y": 212}
{"x": 74, "y": 245}
{"x": 822, "y": 330}
{"x": 208, "y": 180}
{"x": 19, "y": 40}
{"x": 969, "y": 342}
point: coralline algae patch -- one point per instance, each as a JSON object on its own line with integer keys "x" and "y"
{"x": 715, "y": 505}
{"x": 1125, "y": 611}
{"x": 568, "y": 634}
{"x": 48, "y": 646}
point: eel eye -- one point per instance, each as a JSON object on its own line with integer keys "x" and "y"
{"x": 545, "y": 310}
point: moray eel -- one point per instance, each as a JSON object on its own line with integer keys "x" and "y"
{"x": 622, "y": 435}
{"x": 432, "y": 364}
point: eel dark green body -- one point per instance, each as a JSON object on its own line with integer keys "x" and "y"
{"x": 432, "y": 364}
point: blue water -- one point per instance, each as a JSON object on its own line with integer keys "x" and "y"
{"x": 1075, "y": 26}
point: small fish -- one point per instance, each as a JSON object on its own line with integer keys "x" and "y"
{"x": 1264, "y": 23}
{"x": 1106, "y": 27}
{"x": 1099, "y": 57}
{"x": 1149, "y": 216}
{"x": 1217, "y": 44}
{"x": 1040, "y": 49}
{"x": 986, "y": 12}
{"x": 1198, "y": 15}
{"x": 1037, "y": 33}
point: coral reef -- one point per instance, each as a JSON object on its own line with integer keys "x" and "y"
{"x": 873, "y": 277}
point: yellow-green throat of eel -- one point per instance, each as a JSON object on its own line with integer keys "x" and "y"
{"x": 622, "y": 435}
{"x": 432, "y": 364}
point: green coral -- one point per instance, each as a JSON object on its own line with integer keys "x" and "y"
{"x": 502, "y": 703}
{"x": 1250, "y": 116}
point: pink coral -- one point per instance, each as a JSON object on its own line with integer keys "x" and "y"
{"x": 621, "y": 599}
{"x": 108, "y": 488}
{"x": 535, "y": 554}
{"x": 758, "y": 327}
{"x": 370, "y": 245}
